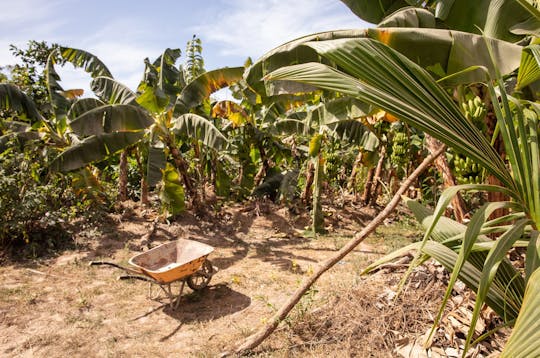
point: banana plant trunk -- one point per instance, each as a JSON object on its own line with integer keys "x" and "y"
{"x": 377, "y": 177}
{"x": 144, "y": 181}
{"x": 318, "y": 215}
{"x": 261, "y": 174}
{"x": 365, "y": 198}
{"x": 310, "y": 175}
{"x": 123, "y": 176}
{"x": 182, "y": 168}
{"x": 449, "y": 180}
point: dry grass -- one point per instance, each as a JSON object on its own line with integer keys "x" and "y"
{"x": 62, "y": 307}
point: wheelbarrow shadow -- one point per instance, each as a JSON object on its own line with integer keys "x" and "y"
{"x": 210, "y": 303}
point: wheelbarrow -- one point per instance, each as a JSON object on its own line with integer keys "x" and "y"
{"x": 183, "y": 261}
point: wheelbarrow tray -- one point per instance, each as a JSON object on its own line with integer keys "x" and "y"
{"x": 172, "y": 261}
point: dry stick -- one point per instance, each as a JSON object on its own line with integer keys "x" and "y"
{"x": 257, "y": 338}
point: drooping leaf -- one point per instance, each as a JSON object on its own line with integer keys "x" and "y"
{"x": 83, "y": 105}
{"x": 409, "y": 17}
{"x": 451, "y": 51}
{"x": 111, "y": 118}
{"x": 94, "y": 148}
{"x": 315, "y": 145}
{"x": 497, "y": 297}
{"x": 12, "y": 98}
{"x": 59, "y": 103}
{"x": 90, "y": 63}
{"x": 374, "y": 11}
{"x": 156, "y": 164}
{"x": 196, "y": 127}
{"x": 112, "y": 92}
{"x": 203, "y": 86}
{"x": 168, "y": 80}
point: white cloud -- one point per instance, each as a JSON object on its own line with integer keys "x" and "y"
{"x": 251, "y": 28}
{"x": 25, "y": 12}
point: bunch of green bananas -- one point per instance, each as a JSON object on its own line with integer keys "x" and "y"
{"x": 474, "y": 109}
{"x": 467, "y": 171}
{"x": 400, "y": 149}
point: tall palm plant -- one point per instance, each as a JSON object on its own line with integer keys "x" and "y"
{"x": 379, "y": 75}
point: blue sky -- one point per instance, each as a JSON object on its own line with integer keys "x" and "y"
{"x": 122, "y": 33}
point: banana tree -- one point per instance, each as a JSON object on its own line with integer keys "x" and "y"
{"x": 154, "y": 115}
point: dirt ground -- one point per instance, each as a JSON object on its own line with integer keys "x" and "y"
{"x": 61, "y": 306}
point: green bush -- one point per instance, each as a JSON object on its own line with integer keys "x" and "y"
{"x": 33, "y": 203}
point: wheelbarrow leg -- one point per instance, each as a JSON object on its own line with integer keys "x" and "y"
{"x": 174, "y": 300}
{"x": 177, "y": 301}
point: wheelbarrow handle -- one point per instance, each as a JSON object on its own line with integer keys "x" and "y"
{"x": 136, "y": 277}
{"x": 128, "y": 270}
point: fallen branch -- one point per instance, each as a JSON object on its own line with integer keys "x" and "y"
{"x": 257, "y": 338}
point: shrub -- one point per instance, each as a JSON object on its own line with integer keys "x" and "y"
{"x": 34, "y": 204}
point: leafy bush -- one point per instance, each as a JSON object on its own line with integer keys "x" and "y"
{"x": 33, "y": 203}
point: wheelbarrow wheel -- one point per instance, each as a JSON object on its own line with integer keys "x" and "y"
{"x": 201, "y": 278}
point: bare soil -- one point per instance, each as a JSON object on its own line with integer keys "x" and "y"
{"x": 61, "y": 306}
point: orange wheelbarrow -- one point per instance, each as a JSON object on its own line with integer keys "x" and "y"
{"x": 182, "y": 260}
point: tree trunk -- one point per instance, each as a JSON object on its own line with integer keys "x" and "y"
{"x": 377, "y": 177}
{"x": 261, "y": 174}
{"x": 318, "y": 215}
{"x": 144, "y": 182}
{"x": 123, "y": 176}
{"x": 310, "y": 175}
{"x": 258, "y": 337}
{"x": 449, "y": 180}
{"x": 365, "y": 199}
{"x": 182, "y": 167}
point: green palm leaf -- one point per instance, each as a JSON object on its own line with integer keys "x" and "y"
{"x": 83, "y": 105}
{"x": 112, "y": 92}
{"x": 203, "y": 86}
{"x": 12, "y": 98}
{"x": 193, "y": 126}
{"x": 86, "y": 60}
{"x": 111, "y": 118}
{"x": 94, "y": 148}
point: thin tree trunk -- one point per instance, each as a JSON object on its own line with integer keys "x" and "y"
{"x": 261, "y": 174}
{"x": 257, "y": 338}
{"x": 310, "y": 176}
{"x": 123, "y": 176}
{"x": 458, "y": 204}
{"x": 318, "y": 215}
{"x": 367, "y": 186}
{"x": 377, "y": 177}
{"x": 144, "y": 181}
{"x": 182, "y": 166}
